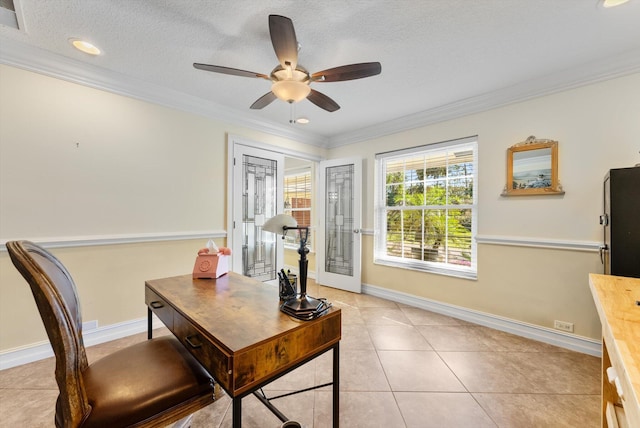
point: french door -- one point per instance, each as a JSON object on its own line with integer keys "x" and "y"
{"x": 256, "y": 194}
{"x": 339, "y": 241}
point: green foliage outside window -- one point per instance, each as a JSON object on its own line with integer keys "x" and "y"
{"x": 429, "y": 208}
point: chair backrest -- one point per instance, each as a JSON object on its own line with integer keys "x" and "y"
{"x": 57, "y": 300}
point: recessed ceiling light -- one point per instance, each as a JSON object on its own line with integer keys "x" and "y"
{"x": 302, "y": 120}
{"x": 85, "y": 46}
{"x": 612, "y": 3}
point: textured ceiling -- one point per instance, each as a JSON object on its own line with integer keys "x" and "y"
{"x": 436, "y": 56}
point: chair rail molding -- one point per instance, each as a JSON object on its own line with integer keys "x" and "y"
{"x": 95, "y": 240}
{"x": 523, "y": 241}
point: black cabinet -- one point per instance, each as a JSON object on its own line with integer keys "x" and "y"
{"x": 621, "y": 221}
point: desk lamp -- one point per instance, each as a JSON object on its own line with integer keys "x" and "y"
{"x": 302, "y": 306}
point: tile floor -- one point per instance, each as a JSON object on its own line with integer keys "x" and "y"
{"x": 400, "y": 367}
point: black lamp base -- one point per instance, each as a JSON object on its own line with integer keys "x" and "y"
{"x": 305, "y": 307}
{"x": 302, "y": 304}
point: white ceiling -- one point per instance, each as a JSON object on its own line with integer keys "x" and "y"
{"x": 440, "y": 59}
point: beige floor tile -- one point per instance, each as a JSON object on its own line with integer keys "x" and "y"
{"x": 560, "y": 372}
{"x": 301, "y": 378}
{"x": 344, "y": 302}
{"x": 542, "y": 411}
{"x": 398, "y": 338}
{"x": 389, "y": 377}
{"x": 359, "y": 371}
{"x": 422, "y": 317}
{"x": 384, "y": 316}
{"x": 457, "y": 338}
{"x": 36, "y": 375}
{"x": 356, "y": 337}
{"x": 351, "y": 315}
{"x": 359, "y": 410}
{"x": 511, "y": 342}
{"x": 299, "y": 407}
{"x": 488, "y": 372}
{"x": 27, "y": 408}
{"x": 418, "y": 371}
{"x": 212, "y": 415}
{"x": 368, "y": 301}
{"x": 441, "y": 409}
{"x": 337, "y": 296}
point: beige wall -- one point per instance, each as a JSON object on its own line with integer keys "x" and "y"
{"x": 77, "y": 162}
{"x": 100, "y": 163}
{"x": 110, "y": 282}
{"x": 291, "y": 259}
{"x": 597, "y": 127}
{"x": 142, "y": 168}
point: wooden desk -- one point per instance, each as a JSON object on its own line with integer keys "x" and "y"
{"x": 233, "y": 326}
{"x": 615, "y": 299}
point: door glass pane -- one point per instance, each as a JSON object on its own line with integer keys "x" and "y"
{"x": 339, "y": 220}
{"x": 258, "y": 204}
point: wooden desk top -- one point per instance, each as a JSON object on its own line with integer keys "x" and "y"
{"x": 245, "y": 334}
{"x": 615, "y": 299}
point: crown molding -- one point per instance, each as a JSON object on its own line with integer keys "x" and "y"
{"x": 40, "y": 61}
{"x": 586, "y": 74}
{"x": 34, "y": 59}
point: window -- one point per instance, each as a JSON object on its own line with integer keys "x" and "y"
{"x": 297, "y": 203}
{"x": 426, "y": 207}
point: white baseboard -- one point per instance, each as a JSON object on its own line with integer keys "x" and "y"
{"x": 41, "y": 350}
{"x": 38, "y": 351}
{"x": 573, "y": 342}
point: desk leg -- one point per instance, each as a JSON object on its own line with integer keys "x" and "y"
{"x": 149, "y": 323}
{"x": 236, "y": 411}
{"x": 336, "y": 386}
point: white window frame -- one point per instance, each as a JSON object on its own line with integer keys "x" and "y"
{"x": 380, "y": 218}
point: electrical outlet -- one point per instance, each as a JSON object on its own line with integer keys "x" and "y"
{"x": 563, "y": 325}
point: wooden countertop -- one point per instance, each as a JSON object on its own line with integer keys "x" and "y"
{"x": 616, "y": 300}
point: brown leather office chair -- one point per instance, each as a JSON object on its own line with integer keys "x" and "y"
{"x": 154, "y": 383}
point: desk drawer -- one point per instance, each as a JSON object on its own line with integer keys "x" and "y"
{"x": 159, "y": 307}
{"x": 258, "y": 364}
{"x": 213, "y": 358}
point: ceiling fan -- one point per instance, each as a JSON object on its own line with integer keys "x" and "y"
{"x": 290, "y": 80}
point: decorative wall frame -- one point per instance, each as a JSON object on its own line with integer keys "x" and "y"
{"x": 532, "y": 168}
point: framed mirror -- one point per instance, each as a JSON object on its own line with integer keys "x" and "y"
{"x": 532, "y": 168}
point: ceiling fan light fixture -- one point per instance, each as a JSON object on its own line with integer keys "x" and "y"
{"x": 290, "y": 91}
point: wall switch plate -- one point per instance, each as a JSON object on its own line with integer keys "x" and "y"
{"x": 563, "y": 325}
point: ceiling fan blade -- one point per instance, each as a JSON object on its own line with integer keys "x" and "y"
{"x": 348, "y": 72}
{"x": 263, "y": 101}
{"x": 228, "y": 70}
{"x": 283, "y": 38}
{"x": 322, "y": 101}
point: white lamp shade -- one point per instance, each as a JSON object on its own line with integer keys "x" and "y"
{"x": 277, "y": 223}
